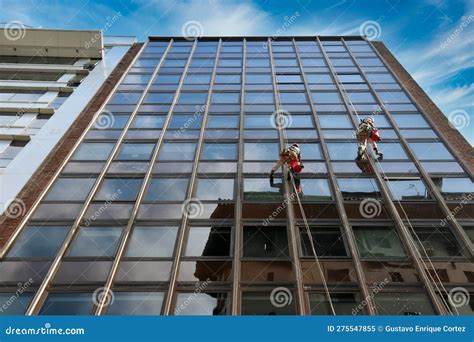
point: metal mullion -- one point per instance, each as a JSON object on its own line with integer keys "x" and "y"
{"x": 148, "y": 176}
{"x": 238, "y": 226}
{"x": 182, "y": 230}
{"x": 402, "y": 229}
{"x": 291, "y": 226}
{"x": 459, "y": 232}
{"x": 34, "y": 306}
{"x": 26, "y": 218}
{"x": 349, "y": 234}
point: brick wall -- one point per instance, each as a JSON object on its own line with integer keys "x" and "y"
{"x": 458, "y": 143}
{"x": 41, "y": 178}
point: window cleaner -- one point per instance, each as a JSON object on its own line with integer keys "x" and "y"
{"x": 367, "y": 132}
{"x": 292, "y": 157}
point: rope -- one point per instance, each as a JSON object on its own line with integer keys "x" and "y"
{"x": 308, "y": 231}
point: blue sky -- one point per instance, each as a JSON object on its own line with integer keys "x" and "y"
{"x": 417, "y": 32}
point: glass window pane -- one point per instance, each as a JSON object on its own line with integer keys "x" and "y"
{"x": 136, "y": 303}
{"x": 219, "y": 151}
{"x": 79, "y": 303}
{"x": 378, "y": 242}
{"x": 17, "y": 303}
{"x": 258, "y": 121}
{"x": 192, "y": 98}
{"x": 208, "y": 304}
{"x": 151, "y": 242}
{"x": 258, "y": 78}
{"x": 454, "y": 189}
{"x": 261, "y": 151}
{"x": 189, "y": 121}
{"x": 226, "y": 98}
{"x": 95, "y": 242}
{"x": 260, "y": 303}
{"x": 354, "y": 189}
{"x": 436, "y": 242}
{"x": 208, "y": 241}
{"x": 37, "y": 241}
{"x": 223, "y": 121}
{"x": 260, "y": 189}
{"x": 93, "y": 151}
{"x": 215, "y": 189}
{"x": 118, "y": 189}
{"x": 293, "y": 98}
{"x": 402, "y": 303}
{"x": 326, "y": 97}
{"x": 431, "y": 151}
{"x": 328, "y": 242}
{"x": 343, "y": 304}
{"x": 361, "y": 97}
{"x": 410, "y": 121}
{"x": 70, "y": 189}
{"x": 265, "y": 242}
{"x": 406, "y": 190}
{"x": 135, "y": 152}
{"x": 177, "y": 151}
{"x": 149, "y": 121}
{"x": 335, "y": 121}
{"x": 315, "y": 190}
{"x": 167, "y": 189}
{"x": 257, "y": 98}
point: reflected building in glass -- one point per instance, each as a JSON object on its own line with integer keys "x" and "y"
{"x": 167, "y": 208}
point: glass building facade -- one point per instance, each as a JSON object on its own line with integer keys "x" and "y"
{"x": 167, "y": 208}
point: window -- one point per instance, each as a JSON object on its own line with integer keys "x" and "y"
{"x": 95, "y": 242}
{"x": 430, "y": 151}
{"x": 149, "y": 121}
{"x": 259, "y": 189}
{"x": 198, "y": 79}
{"x": 260, "y": 151}
{"x": 18, "y": 306}
{"x": 167, "y": 189}
{"x": 135, "y": 151}
{"x": 350, "y": 78}
{"x": 410, "y": 121}
{"x": 259, "y": 303}
{"x": 343, "y": 303}
{"x": 219, "y": 151}
{"x": 393, "y": 97}
{"x": 265, "y": 242}
{"x": 315, "y": 190}
{"x": 342, "y": 151}
{"x": 319, "y": 79}
{"x": 232, "y": 63}
{"x": 257, "y": 62}
{"x": 151, "y": 242}
{"x": 402, "y": 303}
{"x": 70, "y": 189}
{"x": 392, "y": 151}
{"x": 293, "y": 98}
{"x": 177, "y": 151}
{"x": 136, "y": 303}
{"x": 300, "y": 121}
{"x": 335, "y": 121}
{"x": 258, "y": 98}
{"x": 378, "y": 242}
{"x": 208, "y": 304}
{"x": 167, "y": 79}
{"x": 192, "y": 98}
{"x": 436, "y": 242}
{"x": 289, "y": 79}
{"x": 380, "y": 78}
{"x": 226, "y": 98}
{"x": 405, "y": 190}
{"x": 285, "y": 62}
{"x": 313, "y": 62}
{"x": 93, "y": 151}
{"x": 227, "y": 79}
{"x": 215, "y": 189}
{"x": 354, "y": 189}
{"x": 326, "y": 97}
{"x": 454, "y": 189}
{"x": 208, "y": 241}
{"x": 78, "y": 303}
{"x": 38, "y": 241}
{"x": 125, "y": 98}
{"x": 327, "y": 241}
{"x": 223, "y": 121}
{"x": 361, "y": 97}
{"x": 118, "y": 189}
{"x": 311, "y": 152}
{"x": 166, "y": 98}
{"x": 258, "y": 121}
{"x": 189, "y": 121}
{"x": 110, "y": 121}
{"x": 258, "y": 79}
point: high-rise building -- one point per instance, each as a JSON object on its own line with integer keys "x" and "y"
{"x": 47, "y": 78}
{"x": 163, "y": 203}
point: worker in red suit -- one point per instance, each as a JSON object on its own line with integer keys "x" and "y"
{"x": 368, "y": 133}
{"x": 292, "y": 157}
